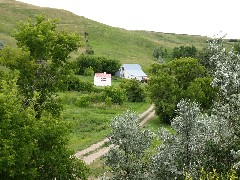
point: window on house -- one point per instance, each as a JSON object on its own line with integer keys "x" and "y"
{"x": 103, "y": 79}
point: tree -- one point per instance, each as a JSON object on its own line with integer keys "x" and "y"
{"x": 164, "y": 92}
{"x": 200, "y": 140}
{"x": 201, "y": 91}
{"x": 170, "y": 82}
{"x": 128, "y": 160}
{"x": 41, "y": 70}
{"x": 184, "y": 51}
{"x": 32, "y": 148}
{"x": 227, "y": 79}
{"x": 207, "y": 52}
{"x": 99, "y": 64}
{"x": 159, "y": 53}
{"x": 133, "y": 90}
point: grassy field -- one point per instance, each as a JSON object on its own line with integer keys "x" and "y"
{"x": 91, "y": 124}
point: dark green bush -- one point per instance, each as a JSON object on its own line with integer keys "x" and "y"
{"x": 73, "y": 83}
{"x": 89, "y": 71}
{"x": 83, "y": 101}
{"x": 134, "y": 91}
{"x": 98, "y": 64}
{"x": 117, "y": 94}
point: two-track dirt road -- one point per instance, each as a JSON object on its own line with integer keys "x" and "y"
{"x": 96, "y": 150}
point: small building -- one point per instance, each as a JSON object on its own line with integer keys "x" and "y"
{"x": 131, "y": 71}
{"x": 102, "y": 79}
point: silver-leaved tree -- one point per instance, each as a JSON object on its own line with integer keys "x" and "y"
{"x": 127, "y": 159}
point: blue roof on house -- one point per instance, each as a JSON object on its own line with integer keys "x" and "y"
{"x": 136, "y": 72}
{"x": 134, "y": 69}
{"x": 131, "y": 67}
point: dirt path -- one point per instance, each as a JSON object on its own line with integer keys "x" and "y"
{"x": 96, "y": 150}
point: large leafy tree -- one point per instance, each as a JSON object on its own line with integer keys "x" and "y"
{"x": 172, "y": 81}
{"x": 40, "y": 70}
{"x": 31, "y": 148}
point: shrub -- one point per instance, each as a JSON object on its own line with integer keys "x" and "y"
{"x": 116, "y": 94}
{"x": 89, "y": 71}
{"x": 73, "y": 83}
{"x": 83, "y": 101}
{"x": 133, "y": 89}
{"x": 108, "y": 101}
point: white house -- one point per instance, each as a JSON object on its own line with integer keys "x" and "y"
{"x": 102, "y": 79}
{"x": 131, "y": 71}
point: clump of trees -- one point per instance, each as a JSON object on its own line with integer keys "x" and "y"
{"x": 178, "y": 79}
{"x": 98, "y": 64}
{"x": 204, "y": 144}
{"x": 184, "y": 51}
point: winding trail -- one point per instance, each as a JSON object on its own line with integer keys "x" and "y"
{"x": 95, "y": 151}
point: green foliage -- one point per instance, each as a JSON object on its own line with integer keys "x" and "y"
{"x": 170, "y": 83}
{"x": 236, "y": 47}
{"x": 189, "y": 149}
{"x": 128, "y": 160}
{"x": 98, "y": 64}
{"x": 159, "y": 53}
{"x": 214, "y": 175}
{"x": 1, "y": 45}
{"x": 43, "y": 42}
{"x": 117, "y": 95}
{"x": 184, "y": 51}
{"x": 108, "y": 101}
{"x": 164, "y": 92}
{"x": 74, "y": 83}
{"x": 133, "y": 89}
{"x": 83, "y": 101}
{"x": 201, "y": 91}
{"x": 33, "y": 148}
{"x": 89, "y": 71}
{"x": 45, "y": 52}
{"x": 204, "y": 57}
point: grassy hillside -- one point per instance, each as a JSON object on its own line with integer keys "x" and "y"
{"x": 127, "y": 46}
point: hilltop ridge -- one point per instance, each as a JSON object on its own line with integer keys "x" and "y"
{"x": 124, "y": 45}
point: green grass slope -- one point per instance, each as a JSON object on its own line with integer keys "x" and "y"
{"x": 126, "y": 46}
